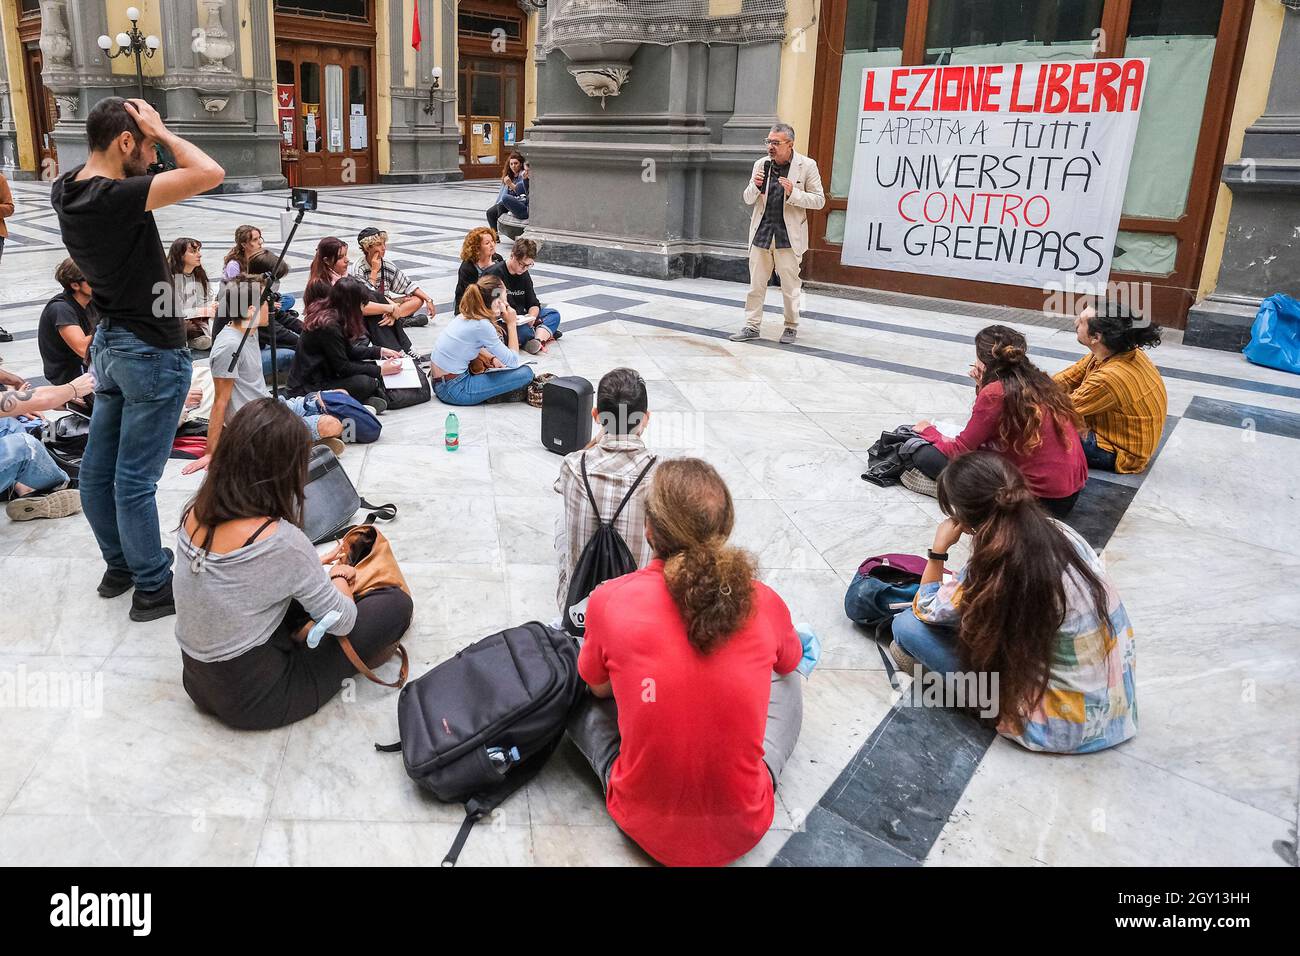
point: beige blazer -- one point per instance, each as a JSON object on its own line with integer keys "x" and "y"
{"x": 807, "y": 194}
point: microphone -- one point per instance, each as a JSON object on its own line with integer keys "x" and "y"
{"x": 767, "y": 175}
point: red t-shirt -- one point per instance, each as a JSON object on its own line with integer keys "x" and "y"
{"x": 689, "y": 784}
{"x": 1055, "y": 469}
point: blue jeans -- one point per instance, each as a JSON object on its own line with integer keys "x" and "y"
{"x": 467, "y": 389}
{"x": 24, "y": 460}
{"x": 550, "y": 318}
{"x": 139, "y": 392}
{"x": 309, "y": 409}
{"x": 1095, "y": 456}
{"x": 933, "y": 645}
{"x": 283, "y": 359}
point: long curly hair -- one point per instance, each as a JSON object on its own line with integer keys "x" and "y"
{"x": 1013, "y": 598}
{"x": 473, "y": 242}
{"x": 237, "y": 252}
{"x": 1030, "y": 395}
{"x": 690, "y": 514}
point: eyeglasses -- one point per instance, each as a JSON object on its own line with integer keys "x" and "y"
{"x": 774, "y": 142}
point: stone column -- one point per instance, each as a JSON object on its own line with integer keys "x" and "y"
{"x": 661, "y": 165}
{"x": 8, "y": 130}
{"x": 422, "y": 149}
{"x": 1261, "y": 255}
{"x": 203, "y": 95}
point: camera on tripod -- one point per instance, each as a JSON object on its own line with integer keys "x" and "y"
{"x": 303, "y": 199}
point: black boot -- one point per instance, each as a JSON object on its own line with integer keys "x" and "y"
{"x": 151, "y": 605}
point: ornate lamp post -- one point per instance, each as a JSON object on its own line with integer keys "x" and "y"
{"x": 135, "y": 43}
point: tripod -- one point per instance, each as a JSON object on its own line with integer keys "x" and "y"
{"x": 267, "y": 292}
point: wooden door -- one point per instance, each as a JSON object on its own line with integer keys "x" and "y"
{"x": 333, "y": 95}
{"x": 44, "y": 113}
{"x": 491, "y": 40}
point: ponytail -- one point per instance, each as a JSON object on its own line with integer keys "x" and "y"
{"x": 690, "y": 514}
{"x": 1031, "y": 397}
{"x": 1014, "y": 598}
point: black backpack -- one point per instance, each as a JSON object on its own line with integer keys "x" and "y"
{"x": 606, "y": 556}
{"x": 479, "y": 726}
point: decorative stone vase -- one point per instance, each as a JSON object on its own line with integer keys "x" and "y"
{"x": 55, "y": 44}
{"x": 600, "y": 69}
{"x": 214, "y": 43}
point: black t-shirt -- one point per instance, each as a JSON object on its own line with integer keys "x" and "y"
{"x": 519, "y": 288}
{"x": 115, "y": 243}
{"x": 62, "y": 364}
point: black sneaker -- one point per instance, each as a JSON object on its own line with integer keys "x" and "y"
{"x": 6, "y": 336}
{"x": 115, "y": 583}
{"x": 417, "y": 321}
{"x": 151, "y": 605}
{"x": 420, "y": 358}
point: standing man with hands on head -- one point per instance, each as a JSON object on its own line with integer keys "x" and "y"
{"x": 789, "y": 184}
{"x": 138, "y": 356}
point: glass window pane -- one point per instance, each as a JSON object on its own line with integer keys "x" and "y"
{"x": 485, "y": 95}
{"x": 1010, "y": 31}
{"x": 331, "y": 9}
{"x": 835, "y": 226}
{"x": 357, "y": 86}
{"x": 509, "y": 98}
{"x": 334, "y": 106}
{"x": 284, "y": 71}
{"x": 1179, "y": 74}
{"x": 309, "y": 90}
{"x": 1144, "y": 252}
{"x": 873, "y": 36}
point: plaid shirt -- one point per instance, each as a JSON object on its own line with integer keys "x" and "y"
{"x": 612, "y": 467}
{"x": 1091, "y": 698}
{"x": 391, "y": 278}
{"x": 772, "y": 225}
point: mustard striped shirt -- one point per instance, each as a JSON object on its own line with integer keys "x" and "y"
{"x": 1122, "y": 401}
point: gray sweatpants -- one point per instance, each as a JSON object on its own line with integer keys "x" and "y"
{"x": 594, "y": 728}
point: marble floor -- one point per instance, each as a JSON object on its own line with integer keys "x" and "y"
{"x": 115, "y": 766}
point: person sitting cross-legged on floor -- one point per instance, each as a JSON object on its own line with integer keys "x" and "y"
{"x": 415, "y": 307}
{"x": 236, "y": 387}
{"x": 471, "y": 338}
{"x": 67, "y": 327}
{"x": 327, "y": 356}
{"x": 249, "y": 585}
{"x": 543, "y": 323}
{"x": 1117, "y": 389}
{"x": 31, "y": 483}
{"x": 614, "y": 462}
{"x": 478, "y": 253}
{"x": 695, "y": 706}
{"x": 1033, "y": 608}
{"x": 1019, "y": 412}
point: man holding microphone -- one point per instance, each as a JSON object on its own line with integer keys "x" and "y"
{"x": 788, "y": 184}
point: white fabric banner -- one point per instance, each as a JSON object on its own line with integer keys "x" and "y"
{"x": 1010, "y": 173}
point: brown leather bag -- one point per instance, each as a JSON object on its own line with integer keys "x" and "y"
{"x": 366, "y": 549}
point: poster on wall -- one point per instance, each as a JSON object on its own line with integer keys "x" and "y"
{"x": 508, "y": 134}
{"x": 1010, "y": 173}
{"x": 285, "y": 106}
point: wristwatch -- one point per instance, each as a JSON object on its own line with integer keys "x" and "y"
{"x": 936, "y": 556}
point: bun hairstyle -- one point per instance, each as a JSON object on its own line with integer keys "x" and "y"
{"x": 1121, "y": 331}
{"x": 690, "y": 514}
{"x": 1030, "y": 395}
{"x": 1014, "y": 592}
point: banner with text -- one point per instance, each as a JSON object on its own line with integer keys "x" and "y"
{"x": 1009, "y": 173}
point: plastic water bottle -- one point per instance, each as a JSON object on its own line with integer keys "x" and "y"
{"x": 503, "y": 760}
{"x": 452, "y": 431}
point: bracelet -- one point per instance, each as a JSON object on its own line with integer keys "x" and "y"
{"x": 75, "y": 396}
{"x": 936, "y": 556}
{"x": 335, "y": 577}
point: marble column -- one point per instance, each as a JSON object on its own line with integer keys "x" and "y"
{"x": 8, "y": 130}
{"x": 1261, "y": 255}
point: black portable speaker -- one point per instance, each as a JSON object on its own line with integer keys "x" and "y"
{"x": 566, "y": 413}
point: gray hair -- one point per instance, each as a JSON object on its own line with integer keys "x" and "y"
{"x": 785, "y": 128}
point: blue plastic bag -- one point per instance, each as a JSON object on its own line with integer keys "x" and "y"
{"x": 1275, "y": 336}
